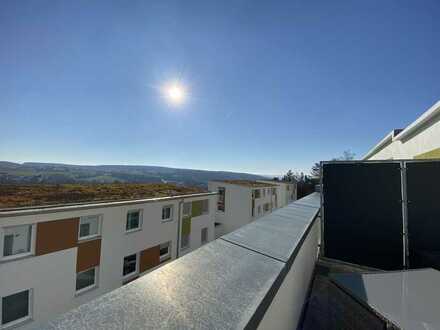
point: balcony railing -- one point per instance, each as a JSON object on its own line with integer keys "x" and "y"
{"x": 255, "y": 277}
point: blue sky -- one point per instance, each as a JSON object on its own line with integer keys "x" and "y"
{"x": 273, "y": 85}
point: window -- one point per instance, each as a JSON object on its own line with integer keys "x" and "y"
{"x": 221, "y": 199}
{"x": 17, "y": 241}
{"x": 205, "y": 206}
{"x": 89, "y": 226}
{"x": 167, "y": 213}
{"x": 134, "y": 221}
{"x": 86, "y": 280}
{"x": 165, "y": 251}
{"x": 130, "y": 265}
{"x": 264, "y": 192}
{"x": 187, "y": 208}
{"x": 274, "y": 191}
{"x": 257, "y": 193}
{"x": 259, "y": 209}
{"x": 204, "y": 235}
{"x": 184, "y": 244}
{"x": 16, "y": 308}
{"x": 266, "y": 207}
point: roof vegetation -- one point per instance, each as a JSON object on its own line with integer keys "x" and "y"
{"x": 13, "y": 196}
{"x": 249, "y": 183}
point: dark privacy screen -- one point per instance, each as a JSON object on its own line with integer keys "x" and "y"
{"x": 363, "y": 213}
{"x": 423, "y": 187}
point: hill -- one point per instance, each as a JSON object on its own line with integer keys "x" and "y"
{"x": 48, "y": 173}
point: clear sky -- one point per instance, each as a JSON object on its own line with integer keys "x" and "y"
{"x": 272, "y": 85}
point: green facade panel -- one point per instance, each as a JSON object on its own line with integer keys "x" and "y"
{"x": 433, "y": 154}
{"x": 197, "y": 208}
{"x": 186, "y": 226}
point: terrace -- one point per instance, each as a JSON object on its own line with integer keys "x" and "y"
{"x": 276, "y": 273}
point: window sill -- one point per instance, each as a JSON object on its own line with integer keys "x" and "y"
{"x": 129, "y": 277}
{"x": 85, "y": 290}
{"x": 88, "y": 238}
{"x": 16, "y": 323}
{"x": 16, "y": 257}
{"x": 167, "y": 220}
{"x": 133, "y": 230}
{"x": 164, "y": 259}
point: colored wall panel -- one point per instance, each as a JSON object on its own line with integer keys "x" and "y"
{"x": 197, "y": 208}
{"x": 149, "y": 258}
{"x": 89, "y": 255}
{"x": 56, "y": 235}
{"x": 186, "y": 226}
{"x": 433, "y": 154}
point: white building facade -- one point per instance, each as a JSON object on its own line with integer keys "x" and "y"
{"x": 419, "y": 140}
{"x": 241, "y": 201}
{"x": 55, "y": 258}
{"x": 286, "y": 192}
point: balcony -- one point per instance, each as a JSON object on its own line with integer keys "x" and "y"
{"x": 257, "y": 276}
{"x": 274, "y": 273}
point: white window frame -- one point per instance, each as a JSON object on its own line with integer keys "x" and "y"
{"x": 165, "y": 256}
{"x": 93, "y": 235}
{"x": 140, "y": 221}
{"x": 171, "y": 213}
{"x": 19, "y": 255}
{"x": 90, "y": 287}
{"x": 135, "y": 272}
{"x": 20, "y": 320}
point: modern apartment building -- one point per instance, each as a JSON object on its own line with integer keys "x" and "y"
{"x": 419, "y": 140}
{"x": 242, "y": 201}
{"x": 55, "y": 258}
{"x": 286, "y": 192}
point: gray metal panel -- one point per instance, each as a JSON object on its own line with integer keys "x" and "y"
{"x": 409, "y": 299}
{"x": 313, "y": 199}
{"x": 219, "y": 286}
{"x": 276, "y": 237}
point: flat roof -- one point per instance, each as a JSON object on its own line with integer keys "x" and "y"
{"x": 408, "y": 299}
{"x": 247, "y": 183}
{"x": 37, "y": 196}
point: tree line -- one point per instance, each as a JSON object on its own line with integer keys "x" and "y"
{"x": 306, "y": 183}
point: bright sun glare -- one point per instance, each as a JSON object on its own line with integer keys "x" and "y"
{"x": 175, "y": 93}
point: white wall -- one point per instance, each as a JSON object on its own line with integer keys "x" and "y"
{"x": 423, "y": 140}
{"x": 285, "y": 310}
{"x": 284, "y": 196}
{"x": 238, "y": 202}
{"x": 238, "y": 205}
{"x": 53, "y": 276}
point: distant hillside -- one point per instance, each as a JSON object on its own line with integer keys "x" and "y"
{"x": 33, "y": 173}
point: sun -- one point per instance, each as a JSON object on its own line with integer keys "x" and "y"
{"x": 175, "y": 93}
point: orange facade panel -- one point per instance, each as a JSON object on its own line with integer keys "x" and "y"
{"x": 89, "y": 255}
{"x": 57, "y": 235}
{"x": 149, "y": 258}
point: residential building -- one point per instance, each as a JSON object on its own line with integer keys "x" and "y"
{"x": 367, "y": 268}
{"x": 242, "y": 201}
{"x": 286, "y": 192}
{"x": 419, "y": 140}
{"x": 54, "y": 258}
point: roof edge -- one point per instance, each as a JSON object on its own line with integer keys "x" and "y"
{"x": 11, "y": 212}
{"x": 422, "y": 120}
